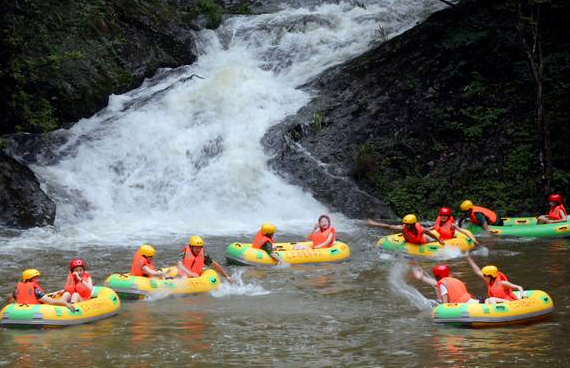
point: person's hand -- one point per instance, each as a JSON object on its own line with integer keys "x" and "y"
{"x": 77, "y": 277}
{"x": 70, "y": 306}
{"x": 369, "y": 222}
{"x": 418, "y": 272}
{"x": 231, "y": 280}
{"x": 316, "y": 227}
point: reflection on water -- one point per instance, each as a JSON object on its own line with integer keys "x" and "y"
{"x": 366, "y": 312}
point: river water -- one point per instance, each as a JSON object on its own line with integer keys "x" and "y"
{"x": 182, "y": 156}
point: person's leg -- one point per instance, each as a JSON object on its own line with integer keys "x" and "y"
{"x": 541, "y": 220}
{"x": 66, "y": 296}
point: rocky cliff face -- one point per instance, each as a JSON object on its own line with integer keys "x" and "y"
{"x": 441, "y": 113}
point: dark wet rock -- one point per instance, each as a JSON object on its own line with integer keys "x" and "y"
{"x": 23, "y": 204}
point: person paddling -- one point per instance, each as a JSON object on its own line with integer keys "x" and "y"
{"x": 194, "y": 260}
{"x": 413, "y": 232}
{"x": 142, "y": 263}
{"x": 446, "y": 227}
{"x": 323, "y": 234}
{"x": 448, "y": 289}
{"x": 557, "y": 211}
{"x": 79, "y": 284}
{"x": 499, "y": 288}
{"x": 481, "y": 216}
{"x": 264, "y": 240}
{"x": 30, "y": 292}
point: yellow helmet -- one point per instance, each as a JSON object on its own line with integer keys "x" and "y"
{"x": 410, "y": 219}
{"x": 147, "y": 250}
{"x": 490, "y": 270}
{"x": 466, "y": 205}
{"x": 30, "y": 274}
{"x": 196, "y": 241}
{"x": 268, "y": 228}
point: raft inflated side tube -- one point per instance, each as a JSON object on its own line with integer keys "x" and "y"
{"x": 525, "y": 227}
{"x": 397, "y": 244}
{"x": 535, "y": 305}
{"x": 244, "y": 254}
{"x": 104, "y": 303}
{"x": 138, "y": 287}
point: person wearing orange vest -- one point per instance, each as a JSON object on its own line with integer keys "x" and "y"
{"x": 413, "y": 232}
{"x": 264, "y": 240}
{"x": 479, "y": 215}
{"x": 499, "y": 288}
{"x": 142, "y": 264}
{"x": 79, "y": 284}
{"x": 29, "y": 291}
{"x": 194, "y": 260}
{"x": 448, "y": 289}
{"x": 557, "y": 211}
{"x": 446, "y": 227}
{"x": 323, "y": 234}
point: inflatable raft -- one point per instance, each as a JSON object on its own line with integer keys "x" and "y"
{"x": 396, "y": 243}
{"x": 535, "y": 305}
{"x": 524, "y": 227}
{"x": 138, "y": 287}
{"x": 104, "y": 303}
{"x": 244, "y": 254}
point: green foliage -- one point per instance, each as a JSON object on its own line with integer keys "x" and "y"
{"x": 317, "y": 122}
{"x": 212, "y": 12}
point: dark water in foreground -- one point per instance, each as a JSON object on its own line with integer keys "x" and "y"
{"x": 354, "y": 314}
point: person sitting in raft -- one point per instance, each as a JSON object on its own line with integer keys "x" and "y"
{"x": 323, "y": 234}
{"x": 142, "y": 263}
{"x": 557, "y": 211}
{"x": 264, "y": 240}
{"x": 499, "y": 289}
{"x": 29, "y": 291}
{"x": 194, "y": 260}
{"x": 413, "y": 232}
{"x": 479, "y": 215}
{"x": 448, "y": 289}
{"x": 79, "y": 284}
{"x": 445, "y": 225}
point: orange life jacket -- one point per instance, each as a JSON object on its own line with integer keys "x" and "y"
{"x": 321, "y": 236}
{"x": 191, "y": 262}
{"x": 445, "y": 229}
{"x": 139, "y": 262}
{"x": 456, "y": 290}
{"x": 73, "y": 286}
{"x": 490, "y": 216}
{"x": 414, "y": 237}
{"x": 25, "y": 293}
{"x": 556, "y": 212}
{"x": 260, "y": 239}
{"x": 497, "y": 289}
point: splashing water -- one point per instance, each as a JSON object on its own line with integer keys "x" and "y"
{"x": 239, "y": 287}
{"x": 398, "y": 285}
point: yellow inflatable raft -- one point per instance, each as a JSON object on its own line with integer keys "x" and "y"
{"x": 535, "y": 305}
{"x": 104, "y": 303}
{"x": 244, "y": 254}
{"x": 138, "y": 287}
{"x": 396, "y": 243}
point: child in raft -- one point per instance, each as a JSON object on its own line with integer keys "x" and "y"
{"x": 323, "y": 234}
{"x": 143, "y": 265}
{"x": 557, "y": 211}
{"x": 449, "y": 289}
{"x": 499, "y": 289}
{"x": 30, "y": 292}
{"x": 446, "y": 227}
{"x": 413, "y": 232}
{"x": 194, "y": 260}
{"x": 79, "y": 284}
{"x": 264, "y": 240}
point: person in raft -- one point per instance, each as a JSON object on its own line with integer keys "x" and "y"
{"x": 499, "y": 289}
{"x": 413, "y": 232}
{"x": 29, "y": 291}
{"x": 478, "y": 215}
{"x": 79, "y": 284}
{"x": 446, "y": 227}
{"x": 557, "y": 211}
{"x": 142, "y": 263}
{"x": 264, "y": 240}
{"x": 448, "y": 289}
{"x": 194, "y": 260}
{"x": 323, "y": 234}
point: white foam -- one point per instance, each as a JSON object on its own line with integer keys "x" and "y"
{"x": 239, "y": 287}
{"x": 398, "y": 285}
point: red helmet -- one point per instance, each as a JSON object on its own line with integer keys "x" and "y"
{"x": 445, "y": 211}
{"x": 441, "y": 271}
{"x": 555, "y": 198}
{"x": 77, "y": 262}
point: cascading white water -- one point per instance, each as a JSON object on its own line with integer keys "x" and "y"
{"x": 179, "y": 155}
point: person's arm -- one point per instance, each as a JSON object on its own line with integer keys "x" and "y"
{"x": 483, "y": 221}
{"x": 147, "y": 270}
{"x": 88, "y": 282}
{"x": 467, "y": 234}
{"x": 433, "y": 236}
{"x": 382, "y": 225}
{"x": 188, "y": 273}
{"x": 324, "y": 243}
{"x": 474, "y": 266}
{"x": 216, "y": 266}
{"x": 315, "y": 228}
{"x": 47, "y": 300}
{"x": 510, "y": 285}
{"x": 419, "y": 274}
